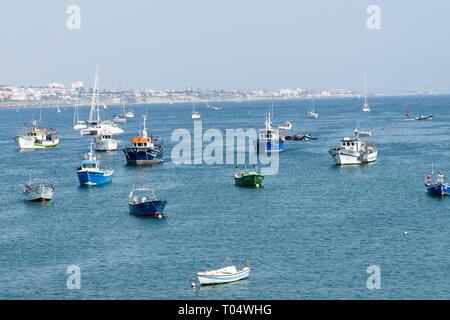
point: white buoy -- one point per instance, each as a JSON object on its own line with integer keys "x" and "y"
{"x": 193, "y": 284}
{"x": 405, "y": 233}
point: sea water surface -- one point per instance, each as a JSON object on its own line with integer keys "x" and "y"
{"x": 310, "y": 233}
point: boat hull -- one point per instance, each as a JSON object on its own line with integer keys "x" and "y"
{"x": 347, "y": 157}
{"x": 206, "y": 279}
{"x": 25, "y": 142}
{"x": 148, "y": 208}
{"x": 39, "y": 194}
{"x": 94, "y": 178}
{"x": 439, "y": 189}
{"x": 269, "y": 146}
{"x": 249, "y": 180}
{"x": 135, "y": 156}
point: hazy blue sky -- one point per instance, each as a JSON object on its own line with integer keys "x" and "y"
{"x": 227, "y": 44}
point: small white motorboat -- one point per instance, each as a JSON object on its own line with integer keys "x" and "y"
{"x": 224, "y": 275}
{"x": 38, "y": 191}
{"x": 362, "y": 133}
{"x": 287, "y": 126}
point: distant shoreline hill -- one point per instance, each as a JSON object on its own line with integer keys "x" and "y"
{"x": 211, "y": 101}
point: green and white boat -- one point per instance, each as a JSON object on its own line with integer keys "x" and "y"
{"x": 245, "y": 177}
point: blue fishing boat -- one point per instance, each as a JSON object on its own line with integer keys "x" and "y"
{"x": 438, "y": 188}
{"x": 91, "y": 173}
{"x": 269, "y": 140}
{"x": 143, "y": 150}
{"x": 143, "y": 202}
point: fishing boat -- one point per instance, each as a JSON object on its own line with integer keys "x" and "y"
{"x": 130, "y": 113}
{"x": 91, "y": 172}
{"x": 248, "y": 177}
{"x": 36, "y": 138}
{"x": 422, "y": 117}
{"x": 195, "y": 114}
{"x": 353, "y": 151}
{"x": 439, "y": 187}
{"x": 366, "y": 107}
{"x": 312, "y": 113}
{"x": 407, "y": 112}
{"x": 104, "y": 142}
{"x": 224, "y": 275}
{"x": 38, "y": 191}
{"x": 287, "y": 126}
{"x": 143, "y": 150}
{"x": 269, "y": 140}
{"x": 143, "y": 202}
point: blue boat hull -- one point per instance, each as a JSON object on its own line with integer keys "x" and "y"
{"x": 136, "y": 156}
{"x": 268, "y": 147}
{"x": 148, "y": 208}
{"x": 93, "y": 178}
{"x": 439, "y": 189}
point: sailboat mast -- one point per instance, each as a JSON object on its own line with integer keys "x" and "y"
{"x": 365, "y": 90}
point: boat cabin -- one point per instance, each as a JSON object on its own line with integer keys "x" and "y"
{"x": 89, "y": 165}
{"x": 141, "y": 142}
{"x": 351, "y": 144}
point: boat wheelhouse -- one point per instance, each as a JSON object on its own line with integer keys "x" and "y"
{"x": 104, "y": 142}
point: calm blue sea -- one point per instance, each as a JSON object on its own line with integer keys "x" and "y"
{"x": 309, "y": 233}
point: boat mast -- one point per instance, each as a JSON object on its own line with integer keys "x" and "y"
{"x": 365, "y": 91}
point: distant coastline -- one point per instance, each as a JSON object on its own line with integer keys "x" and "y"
{"x": 157, "y": 100}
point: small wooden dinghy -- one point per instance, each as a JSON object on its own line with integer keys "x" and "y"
{"x": 224, "y": 275}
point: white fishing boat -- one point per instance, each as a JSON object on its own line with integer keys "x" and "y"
{"x": 104, "y": 142}
{"x": 366, "y": 107}
{"x": 312, "y": 113}
{"x": 287, "y": 126}
{"x": 37, "y": 191}
{"x": 353, "y": 151}
{"x": 195, "y": 114}
{"x": 224, "y": 275}
{"x": 36, "y": 138}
